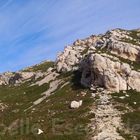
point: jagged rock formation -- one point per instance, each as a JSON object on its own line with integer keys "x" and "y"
{"x": 31, "y": 73}
{"x": 110, "y": 60}
{"x": 10, "y": 78}
{"x": 109, "y": 73}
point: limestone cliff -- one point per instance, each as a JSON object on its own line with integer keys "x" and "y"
{"x": 110, "y": 60}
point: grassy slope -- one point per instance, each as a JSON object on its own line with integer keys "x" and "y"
{"x": 71, "y": 123}
{"x": 135, "y": 36}
{"x": 40, "y": 67}
{"x": 131, "y": 118}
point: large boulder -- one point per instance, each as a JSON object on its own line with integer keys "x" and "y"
{"x": 110, "y": 74}
{"x": 134, "y": 80}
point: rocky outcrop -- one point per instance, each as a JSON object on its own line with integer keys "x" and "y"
{"x": 10, "y": 78}
{"x": 117, "y": 42}
{"x": 124, "y": 44}
{"x": 69, "y": 59}
{"x": 32, "y": 73}
{"x": 105, "y": 60}
{"x": 112, "y": 75}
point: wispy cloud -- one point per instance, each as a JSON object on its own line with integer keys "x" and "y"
{"x": 34, "y": 30}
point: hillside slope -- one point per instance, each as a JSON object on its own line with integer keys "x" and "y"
{"x": 92, "y": 92}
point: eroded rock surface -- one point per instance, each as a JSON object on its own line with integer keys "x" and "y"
{"x": 107, "y": 119}
{"x": 110, "y": 60}
{"x": 110, "y": 74}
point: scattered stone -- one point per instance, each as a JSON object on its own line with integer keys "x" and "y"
{"x": 124, "y": 91}
{"x": 127, "y": 95}
{"x": 93, "y": 95}
{"x": 135, "y": 103}
{"x": 75, "y": 104}
{"x": 83, "y": 94}
{"x": 122, "y": 97}
{"x": 100, "y": 89}
{"x": 39, "y": 131}
{"x": 3, "y": 106}
{"x": 15, "y": 111}
{"x": 93, "y": 89}
{"x": 107, "y": 120}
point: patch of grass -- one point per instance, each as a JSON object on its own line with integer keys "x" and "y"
{"x": 41, "y": 67}
{"x": 131, "y": 119}
{"x": 61, "y": 122}
{"x": 134, "y": 34}
{"x": 65, "y": 75}
{"x": 18, "y": 99}
{"x": 134, "y": 42}
{"x": 85, "y": 51}
{"x": 53, "y": 115}
{"x": 134, "y": 64}
{"x": 135, "y": 38}
{"x": 124, "y": 135}
{"x": 133, "y": 97}
{"x": 120, "y": 108}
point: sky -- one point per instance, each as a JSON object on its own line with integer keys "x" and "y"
{"x": 35, "y": 30}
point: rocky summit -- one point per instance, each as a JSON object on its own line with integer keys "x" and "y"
{"x": 91, "y": 92}
{"x": 110, "y": 60}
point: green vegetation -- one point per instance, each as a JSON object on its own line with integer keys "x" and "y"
{"x": 85, "y": 51}
{"x": 53, "y": 115}
{"x": 131, "y": 118}
{"x": 19, "y": 98}
{"x": 135, "y": 38}
{"x": 134, "y": 42}
{"x": 41, "y": 67}
{"x": 134, "y": 64}
{"x": 125, "y": 135}
{"x": 132, "y": 122}
{"x": 134, "y": 34}
{"x": 133, "y": 96}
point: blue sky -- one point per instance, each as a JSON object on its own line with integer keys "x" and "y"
{"x": 36, "y": 30}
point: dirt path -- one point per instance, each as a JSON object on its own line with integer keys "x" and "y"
{"x": 107, "y": 119}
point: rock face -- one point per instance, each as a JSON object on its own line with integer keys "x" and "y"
{"x": 10, "y": 78}
{"x": 69, "y": 59}
{"x": 110, "y": 60}
{"x": 32, "y": 73}
{"x": 113, "y": 75}
{"x": 125, "y": 44}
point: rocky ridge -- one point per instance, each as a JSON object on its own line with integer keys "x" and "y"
{"x": 110, "y": 60}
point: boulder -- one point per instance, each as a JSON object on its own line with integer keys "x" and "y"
{"x": 112, "y": 75}
{"x": 76, "y": 104}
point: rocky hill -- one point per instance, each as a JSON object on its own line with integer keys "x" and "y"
{"x": 92, "y": 91}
